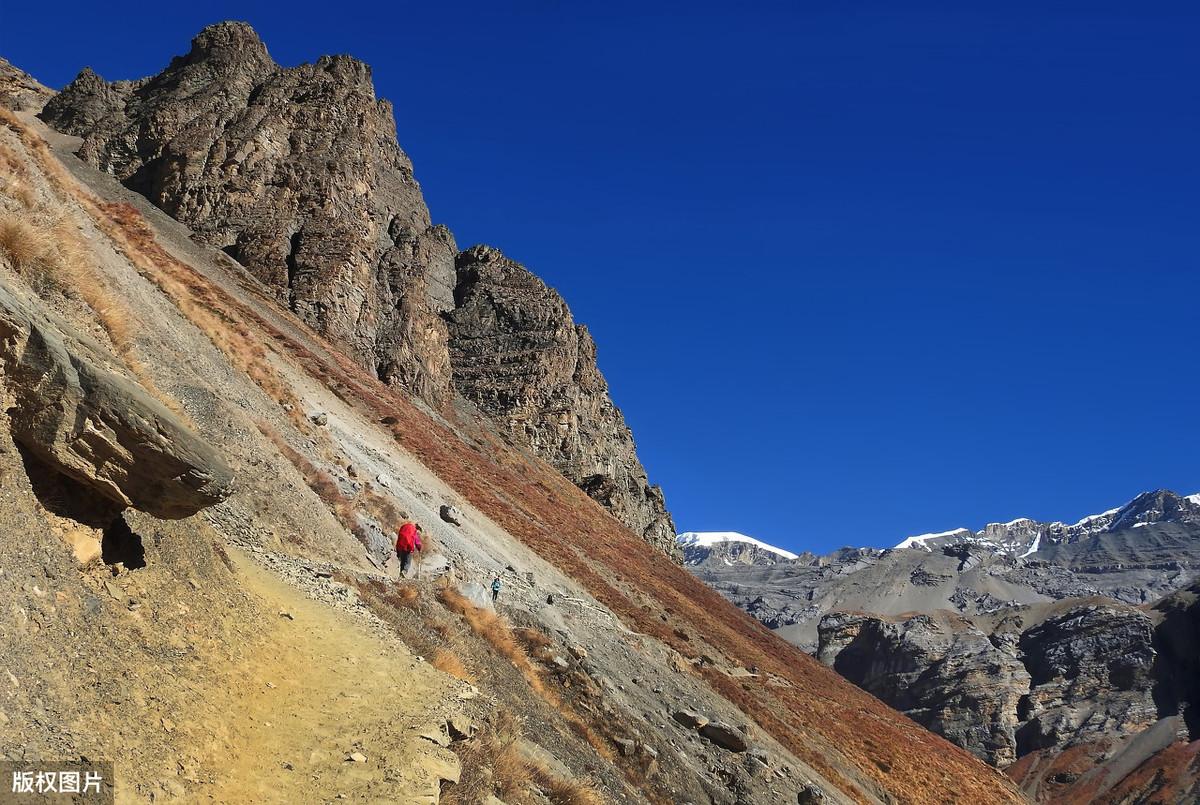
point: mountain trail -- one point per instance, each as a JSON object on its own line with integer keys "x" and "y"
{"x": 321, "y": 707}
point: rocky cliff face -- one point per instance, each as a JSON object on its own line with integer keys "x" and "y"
{"x": 1039, "y": 679}
{"x": 939, "y": 670}
{"x": 297, "y": 174}
{"x": 519, "y": 356}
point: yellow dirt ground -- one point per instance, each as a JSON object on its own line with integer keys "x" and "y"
{"x": 316, "y": 688}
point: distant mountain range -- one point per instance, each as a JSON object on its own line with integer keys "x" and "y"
{"x": 1016, "y": 641}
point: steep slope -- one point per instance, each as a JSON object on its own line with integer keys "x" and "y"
{"x": 296, "y": 173}
{"x": 603, "y": 637}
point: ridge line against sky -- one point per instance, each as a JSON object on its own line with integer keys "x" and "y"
{"x": 852, "y": 273}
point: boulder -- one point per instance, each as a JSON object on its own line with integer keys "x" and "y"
{"x": 451, "y": 515}
{"x": 810, "y": 794}
{"x": 690, "y": 719}
{"x": 460, "y": 727}
{"x": 78, "y": 417}
{"x": 724, "y": 736}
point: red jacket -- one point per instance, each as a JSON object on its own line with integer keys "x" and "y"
{"x": 408, "y": 540}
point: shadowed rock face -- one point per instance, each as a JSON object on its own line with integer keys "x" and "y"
{"x": 941, "y": 672}
{"x": 100, "y": 429}
{"x": 519, "y": 356}
{"x": 297, "y": 174}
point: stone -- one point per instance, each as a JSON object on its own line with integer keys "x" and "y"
{"x": 356, "y": 757}
{"x": 321, "y": 419}
{"x": 810, "y": 794}
{"x": 451, "y": 515}
{"x": 578, "y": 651}
{"x": 690, "y": 719}
{"x": 626, "y": 746}
{"x": 460, "y": 727}
{"x": 437, "y": 735}
{"x": 724, "y": 736}
{"x": 100, "y": 429}
{"x": 384, "y": 480}
{"x": 84, "y": 546}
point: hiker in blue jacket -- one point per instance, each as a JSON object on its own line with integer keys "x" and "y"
{"x": 495, "y": 589}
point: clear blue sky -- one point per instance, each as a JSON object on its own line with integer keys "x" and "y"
{"x": 856, "y": 271}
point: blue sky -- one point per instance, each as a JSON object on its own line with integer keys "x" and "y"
{"x": 856, "y": 271}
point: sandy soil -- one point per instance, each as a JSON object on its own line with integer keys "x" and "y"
{"x": 317, "y": 688}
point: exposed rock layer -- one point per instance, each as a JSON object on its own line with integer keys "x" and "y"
{"x": 102, "y": 430}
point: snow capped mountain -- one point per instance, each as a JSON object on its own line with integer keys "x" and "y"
{"x": 1024, "y": 537}
{"x": 729, "y": 547}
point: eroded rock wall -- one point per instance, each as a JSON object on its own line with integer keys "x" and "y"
{"x": 520, "y": 357}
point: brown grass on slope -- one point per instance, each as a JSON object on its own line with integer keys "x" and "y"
{"x": 493, "y": 764}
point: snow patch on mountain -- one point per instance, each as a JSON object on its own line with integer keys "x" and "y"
{"x": 707, "y": 539}
{"x": 919, "y": 541}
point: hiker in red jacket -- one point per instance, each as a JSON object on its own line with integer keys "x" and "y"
{"x": 408, "y": 542}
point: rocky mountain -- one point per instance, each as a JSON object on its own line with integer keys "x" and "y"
{"x": 296, "y": 174}
{"x": 1033, "y": 645}
{"x": 1135, "y": 553}
{"x": 195, "y": 483}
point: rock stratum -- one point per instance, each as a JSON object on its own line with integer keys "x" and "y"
{"x": 296, "y": 173}
{"x": 1058, "y": 652}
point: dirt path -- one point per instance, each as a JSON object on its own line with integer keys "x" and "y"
{"x": 316, "y": 689}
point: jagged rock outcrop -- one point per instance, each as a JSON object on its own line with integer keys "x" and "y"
{"x": 1091, "y": 671}
{"x": 96, "y": 427}
{"x": 520, "y": 357}
{"x": 939, "y": 670}
{"x": 19, "y": 90}
{"x": 297, "y": 174}
{"x": 1177, "y": 642}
